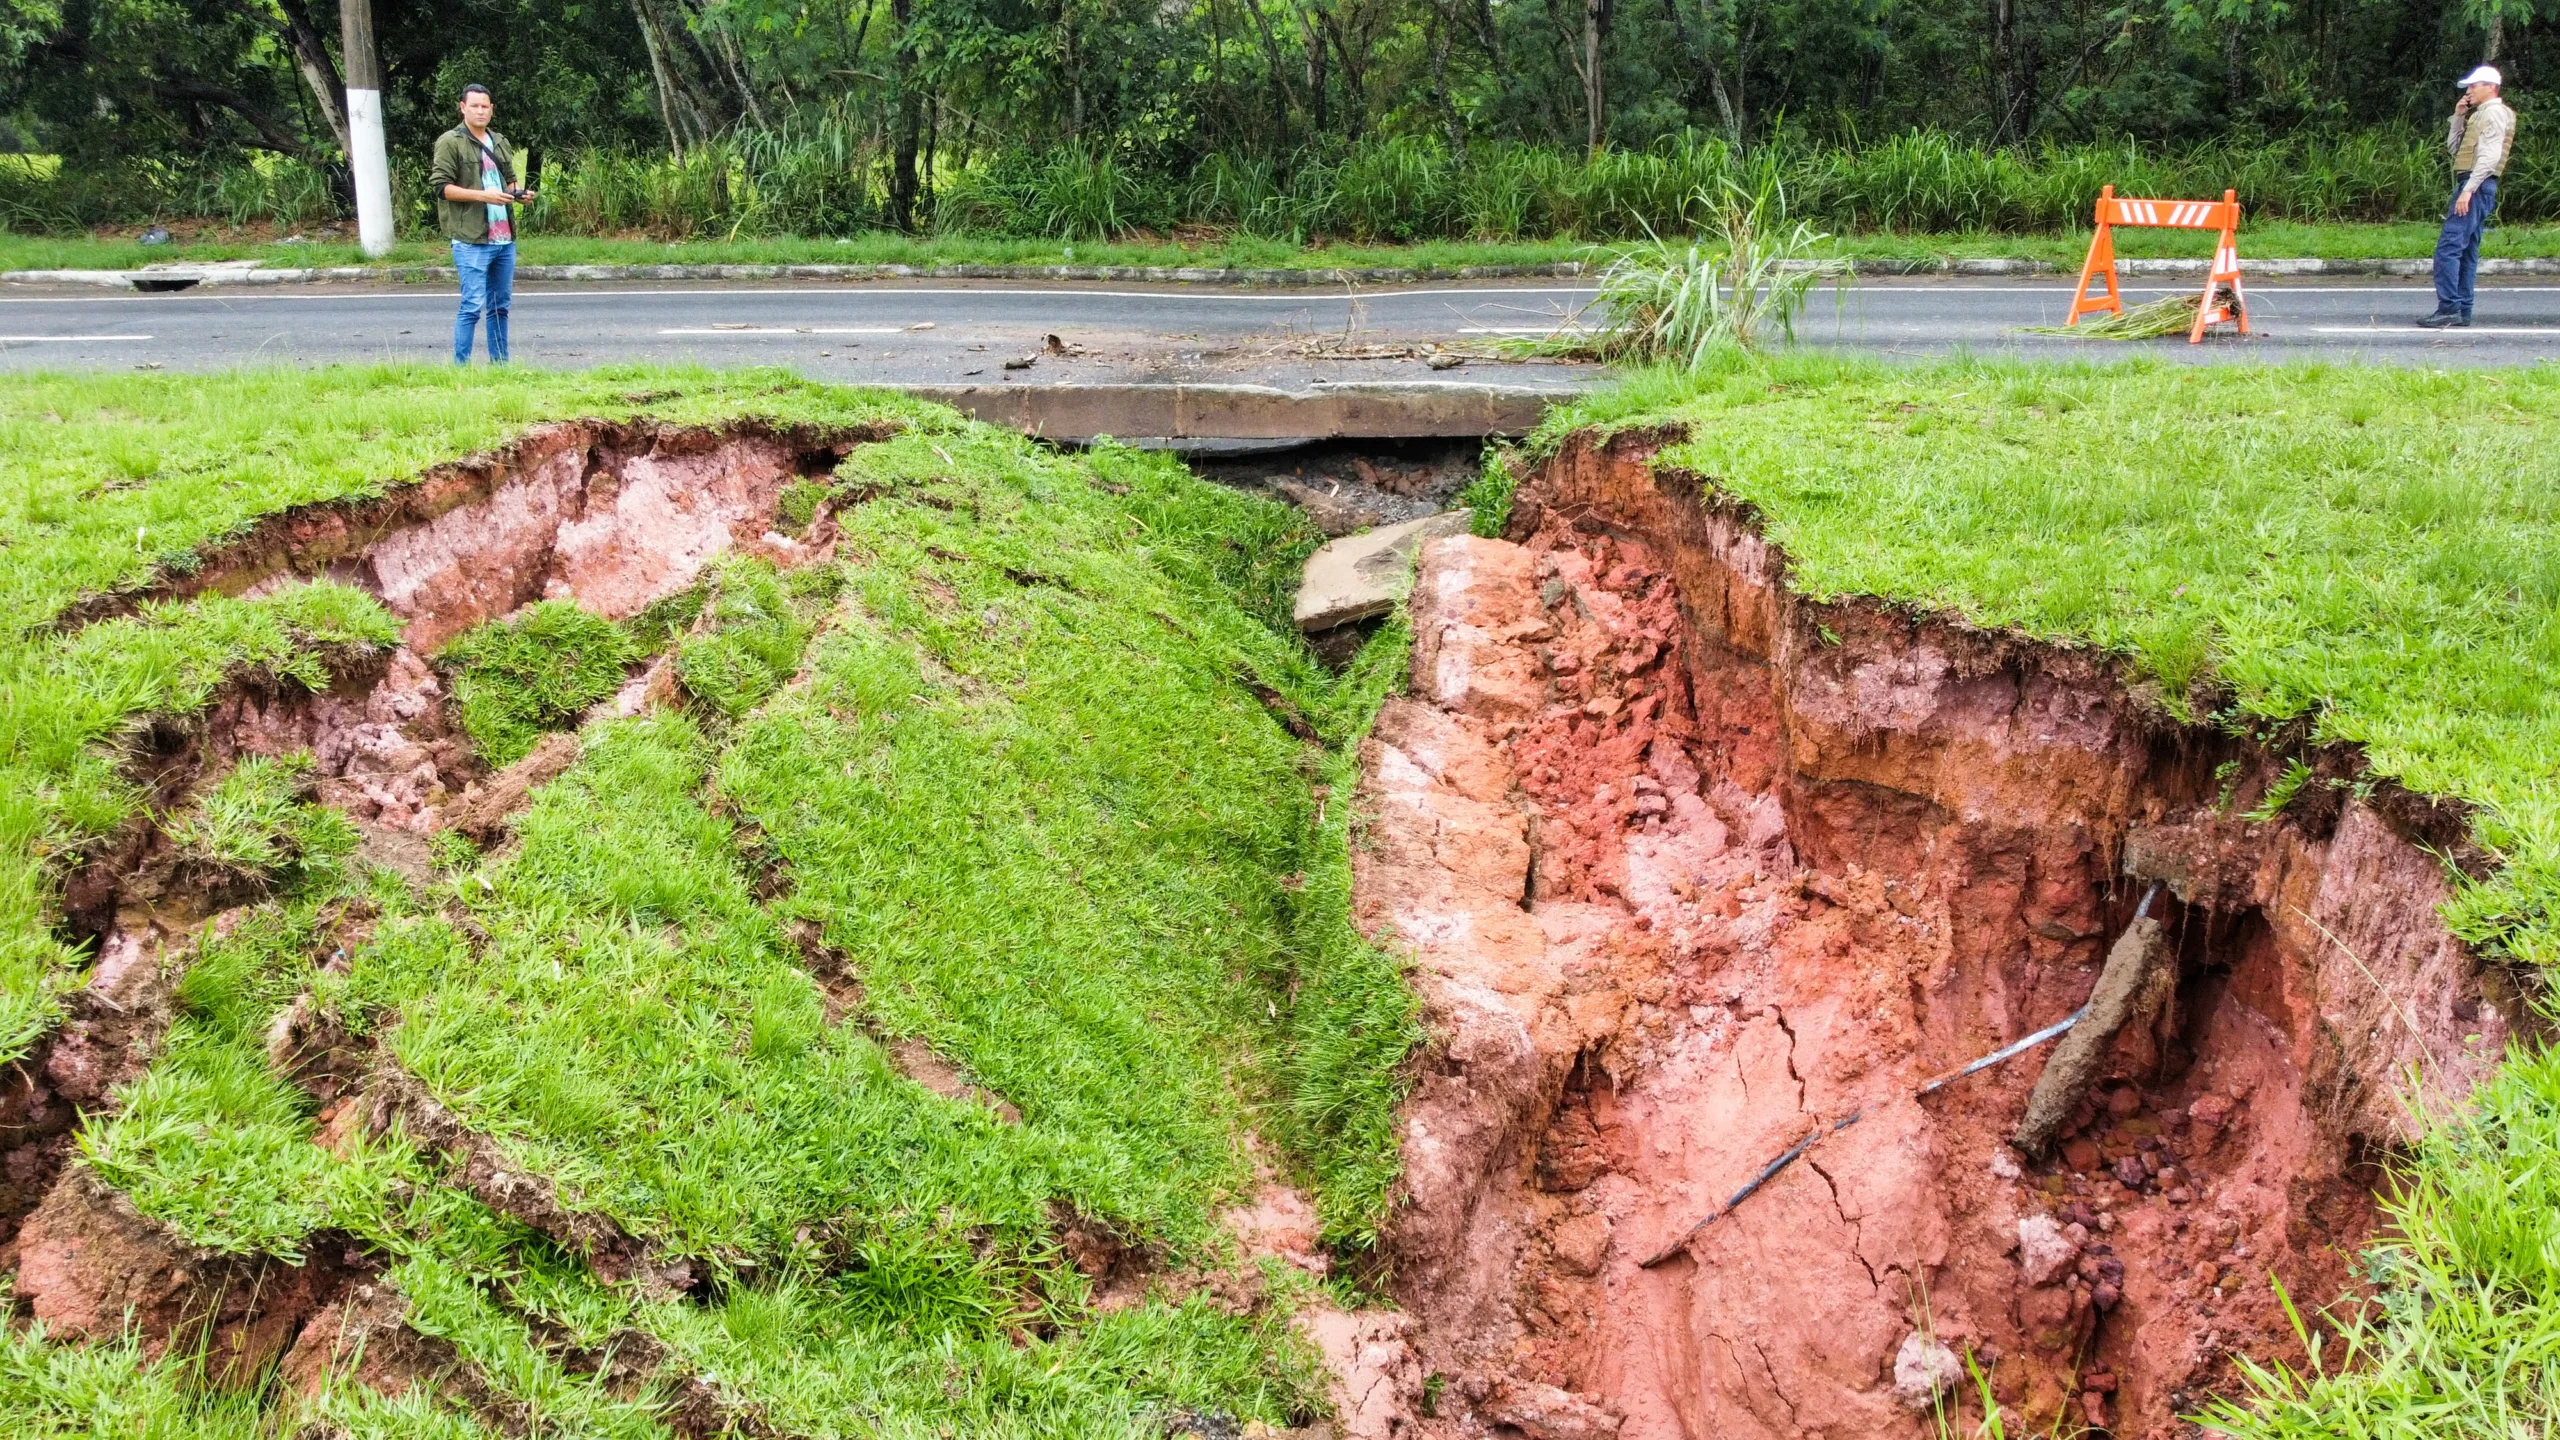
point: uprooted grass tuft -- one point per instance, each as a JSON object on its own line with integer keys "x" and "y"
{"x": 516, "y": 679}
{"x": 257, "y": 825}
{"x": 753, "y": 630}
{"x": 2151, "y": 320}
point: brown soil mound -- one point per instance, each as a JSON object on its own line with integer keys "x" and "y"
{"x": 1692, "y": 866}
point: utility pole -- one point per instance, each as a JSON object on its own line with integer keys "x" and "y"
{"x": 366, "y": 154}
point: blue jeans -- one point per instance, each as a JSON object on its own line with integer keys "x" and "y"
{"x": 488, "y": 275}
{"x": 2458, "y": 248}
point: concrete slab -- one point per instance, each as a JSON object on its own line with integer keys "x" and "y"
{"x": 1359, "y": 576}
{"x": 1391, "y": 409}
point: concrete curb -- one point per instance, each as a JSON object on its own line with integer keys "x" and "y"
{"x": 244, "y": 272}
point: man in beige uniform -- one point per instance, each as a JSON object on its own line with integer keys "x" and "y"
{"x": 2482, "y": 131}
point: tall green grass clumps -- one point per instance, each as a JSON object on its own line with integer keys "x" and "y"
{"x": 2460, "y": 1333}
{"x": 1666, "y": 302}
{"x": 515, "y": 680}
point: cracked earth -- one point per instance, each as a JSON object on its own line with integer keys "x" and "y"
{"x": 1691, "y": 867}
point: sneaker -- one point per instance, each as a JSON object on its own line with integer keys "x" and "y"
{"x": 2442, "y": 319}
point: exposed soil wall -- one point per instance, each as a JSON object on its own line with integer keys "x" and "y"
{"x": 1691, "y": 866}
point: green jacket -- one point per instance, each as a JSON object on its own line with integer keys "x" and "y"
{"x": 457, "y": 162}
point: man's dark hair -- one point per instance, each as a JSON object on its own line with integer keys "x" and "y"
{"x": 475, "y": 89}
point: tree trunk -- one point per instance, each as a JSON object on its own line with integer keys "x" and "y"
{"x": 319, "y": 72}
{"x": 367, "y": 157}
{"x": 1315, "y": 70}
{"x": 2235, "y": 71}
{"x": 1457, "y": 133}
{"x": 1355, "y": 85}
{"x": 902, "y": 168}
{"x": 679, "y": 66}
{"x": 2496, "y": 38}
{"x": 1075, "y": 73}
{"x": 1279, "y": 77}
{"x": 1595, "y": 98}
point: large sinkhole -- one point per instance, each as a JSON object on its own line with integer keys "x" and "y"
{"x": 1696, "y": 870}
{"x": 1692, "y": 873}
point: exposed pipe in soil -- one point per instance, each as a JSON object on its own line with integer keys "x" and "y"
{"x": 2060, "y": 1101}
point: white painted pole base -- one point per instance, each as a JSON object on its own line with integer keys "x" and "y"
{"x": 371, "y": 162}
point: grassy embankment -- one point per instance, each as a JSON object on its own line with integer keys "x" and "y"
{"x": 2378, "y": 549}
{"x": 1005, "y": 759}
{"x": 2272, "y": 239}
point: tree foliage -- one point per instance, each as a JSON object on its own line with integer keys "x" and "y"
{"x": 906, "y": 96}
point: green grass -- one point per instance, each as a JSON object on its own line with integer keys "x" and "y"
{"x": 257, "y": 824}
{"x": 2265, "y": 240}
{"x": 106, "y": 482}
{"x": 2373, "y": 549}
{"x": 66, "y": 702}
{"x": 539, "y": 672}
{"x": 1007, "y": 756}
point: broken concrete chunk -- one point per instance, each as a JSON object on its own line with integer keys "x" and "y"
{"x": 2139, "y": 975}
{"x": 1359, "y": 576}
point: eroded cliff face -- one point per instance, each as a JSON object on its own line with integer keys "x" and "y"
{"x": 1692, "y": 868}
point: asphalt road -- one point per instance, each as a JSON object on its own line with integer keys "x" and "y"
{"x": 945, "y": 332}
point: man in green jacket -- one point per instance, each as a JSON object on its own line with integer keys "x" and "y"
{"x": 474, "y": 181}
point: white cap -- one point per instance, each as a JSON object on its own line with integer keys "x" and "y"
{"x": 2485, "y": 75}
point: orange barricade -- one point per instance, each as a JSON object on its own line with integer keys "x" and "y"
{"x": 2223, "y": 215}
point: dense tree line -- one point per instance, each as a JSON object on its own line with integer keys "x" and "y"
{"x": 912, "y": 89}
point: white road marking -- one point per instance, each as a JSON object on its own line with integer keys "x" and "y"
{"x": 1516, "y": 329}
{"x": 2414, "y": 332}
{"x": 781, "y": 330}
{"x": 39, "y": 339}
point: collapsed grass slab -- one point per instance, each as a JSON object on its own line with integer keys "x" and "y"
{"x": 220, "y": 1143}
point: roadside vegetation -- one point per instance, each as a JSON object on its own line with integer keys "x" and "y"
{"x": 1030, "y": 778}
{"x": 1913, "y": 198}
{"x": 2367, "y": 548}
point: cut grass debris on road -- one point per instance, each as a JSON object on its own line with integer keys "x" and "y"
{"x": 991, "y": 762}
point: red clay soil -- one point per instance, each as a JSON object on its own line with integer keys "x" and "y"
{"x": 92, "y": 1268}
{"x": 1690, "y": 865}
